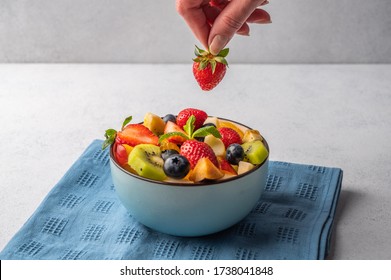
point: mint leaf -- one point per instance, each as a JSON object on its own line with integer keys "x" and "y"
{"x": 110, "y": 135}
{"x": 189, "y": 130}
{"x": 170, "y": 134}
{"x": 189, "y": 126}
{"x": 126, "y": 121}
{"x": 204, "y": 131}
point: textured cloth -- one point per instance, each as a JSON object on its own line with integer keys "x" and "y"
{"x": 81, "y": 218}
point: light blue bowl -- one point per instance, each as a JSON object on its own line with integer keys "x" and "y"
{"x": 189, "y": 209}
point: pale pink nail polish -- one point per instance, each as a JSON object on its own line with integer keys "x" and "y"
{"x": 218, "y": 43}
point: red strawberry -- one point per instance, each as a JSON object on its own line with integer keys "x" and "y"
{"x": 134, "y": 134}
{"x": 229, "y": 136}
{"x": 184, "y": 115}
{"x": 193, "y": 150}
{"x": 209, "y": 69}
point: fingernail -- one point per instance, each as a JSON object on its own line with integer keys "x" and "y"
{"x": 263, "y": 21}
{"x": 218, "y": 43}
{"x": 244, "y": 33}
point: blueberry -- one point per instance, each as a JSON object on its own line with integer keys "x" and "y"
{"x": 166, "y": 153}
{"x": 176, "y": 166}
{"x": 169, "y": 117}
{"x": 234, "y": 153}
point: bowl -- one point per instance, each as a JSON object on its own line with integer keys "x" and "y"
{"x": 182, "y": 209}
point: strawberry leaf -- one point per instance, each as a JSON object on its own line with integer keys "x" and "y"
{"x": 126, "y": 121}
{"x": 203, "y": 64}
{"x": 200, "y": 52}
{"x": 223, "y": 52}
{"x": 189, "y": 126}
{"x": 197, "y": 52}
{"x": 221, "y": 59}
{"x": 170, "y": 134}
{"x": 110, "y": 135}
{"x": 206, "y": 130}
{"x": 213, "y": 65}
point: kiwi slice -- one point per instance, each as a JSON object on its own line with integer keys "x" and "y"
{"x": 255, "y": 152}
{"x": 146, "y": 160}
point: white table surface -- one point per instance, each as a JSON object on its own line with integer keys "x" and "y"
{"x": 329, "y": 115}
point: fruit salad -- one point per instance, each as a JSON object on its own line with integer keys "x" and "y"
{"x": 190, "y": 147}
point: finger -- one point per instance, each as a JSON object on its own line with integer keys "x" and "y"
{"x": 259, "y": 16}
{"x": 244, "y": 30}
{"x": 265, "y": 3}
{"x": 223, "y": 3}
{"x": 229, "y": 21}
{"x": 211, "y": 13}
{"x": 219, "y": 3}
{"x": 193, "y": 13}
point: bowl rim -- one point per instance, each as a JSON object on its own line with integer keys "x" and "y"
{"x": 200, "y": 184}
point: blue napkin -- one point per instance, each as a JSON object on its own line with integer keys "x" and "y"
{"x": 81, "y": 218}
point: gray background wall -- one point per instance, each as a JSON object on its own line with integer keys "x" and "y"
{"x": 303, "y": 31}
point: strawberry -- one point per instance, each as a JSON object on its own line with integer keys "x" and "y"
{"x": 134, "y": 134}
{"x": 184, "y": 115}
{"x": 209, "y": 69}
{"x": 193, "y": 150}
{"x": 229, "y": 136}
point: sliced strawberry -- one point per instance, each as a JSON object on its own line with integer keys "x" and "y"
{"x": 193, "y": 150}
{"x": 226, "y": 166}
{"x": 172, "y": 127}
{"x": 134, "y": 134}
{"x": 229, "y": 136}
{"x": 184, "y": 115}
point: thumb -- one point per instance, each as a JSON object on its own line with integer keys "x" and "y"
{"x": 229, "y": 21}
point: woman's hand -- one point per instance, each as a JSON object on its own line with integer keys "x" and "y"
{"x": 215, "y": 22}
